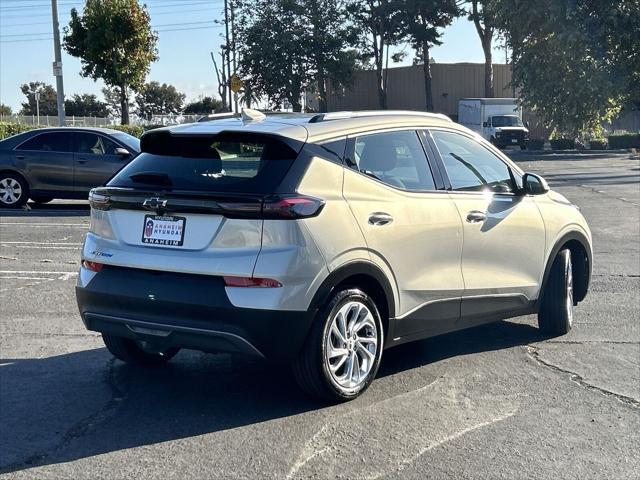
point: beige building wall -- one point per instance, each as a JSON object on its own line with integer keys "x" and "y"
{"x": 451, "y": 82}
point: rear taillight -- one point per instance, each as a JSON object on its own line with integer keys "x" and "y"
{"x": 251, "y": 282}
{"x": 291, "y": 207}
{"x": 99, "y": 201}
{"x": 93, "y": 266}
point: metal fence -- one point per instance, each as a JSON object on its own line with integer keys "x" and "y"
{"x": 52, "y": 121}
{"x": 73, "y": 121}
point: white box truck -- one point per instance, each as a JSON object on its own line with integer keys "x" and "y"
{"x": 498, "y": 120}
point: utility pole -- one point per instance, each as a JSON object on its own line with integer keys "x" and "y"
{"x": 37, "y": 97}
{"x": 226, "y": 26}
{"x": 233, "y": 51}
{"x": 57, "y": 65}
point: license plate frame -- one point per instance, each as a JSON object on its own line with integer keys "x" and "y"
{"x": 161, "y": 231}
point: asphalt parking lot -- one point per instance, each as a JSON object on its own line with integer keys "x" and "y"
{"x": 499, "y": 401}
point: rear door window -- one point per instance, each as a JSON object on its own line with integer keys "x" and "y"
{"x": 94, "y": 144}
{"x": 210, "y": 164}
{"x": 48, "y": 142}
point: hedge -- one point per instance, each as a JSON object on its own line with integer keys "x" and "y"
{"x": 562, "y": 144}
{"x": 630, "y": 140}
{"x": 8, "y": 129}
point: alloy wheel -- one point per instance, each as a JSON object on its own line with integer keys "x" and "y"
{"x": 10, "y": 191}
{"x": 351, "y": 345}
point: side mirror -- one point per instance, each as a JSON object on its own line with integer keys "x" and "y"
{"x": 485, "y": 124}
{"x": 534, "y": 184}
{"x": 122, "y": 152}
{"x": 526, "y": 124}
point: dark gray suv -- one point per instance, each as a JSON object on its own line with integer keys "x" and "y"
{"x": 49, "y": 163}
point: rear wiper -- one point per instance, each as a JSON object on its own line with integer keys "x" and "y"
{"x": 151, "y": 178}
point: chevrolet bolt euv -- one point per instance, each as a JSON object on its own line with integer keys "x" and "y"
{"x": 323, "y": 240}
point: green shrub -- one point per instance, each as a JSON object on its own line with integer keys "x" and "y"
{"x": 562, "y": 144}
{"x": 535, "y": 144}
{"x": 135, "y": 130}
{"x": 8, "y": 129}
{"x": 629, "y": 140}
{"x": 597, "y": 144}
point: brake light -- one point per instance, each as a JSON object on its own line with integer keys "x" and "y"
{"x": 251, "y": 282}
{"x": 93, "y": 266}
{"x": 292, "y": 207}
{"x": 99, "y": 201}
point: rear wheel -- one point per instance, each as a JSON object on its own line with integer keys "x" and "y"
{"x": 137, "y": 352}
{"x": 343, "y": 350}
{"x": 556, "y": 309}
{"x": 14, "y": 191}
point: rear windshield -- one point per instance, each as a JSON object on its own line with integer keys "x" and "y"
{"x": 210, "y": 165}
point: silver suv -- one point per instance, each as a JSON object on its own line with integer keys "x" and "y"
{"x": 323, "y": 240}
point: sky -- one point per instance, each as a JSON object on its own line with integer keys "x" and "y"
{"x": 187, "y": 34}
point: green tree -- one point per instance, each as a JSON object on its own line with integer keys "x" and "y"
{"x": 273, "y": 52}
{"x": 421, "y": 24}
{"x": 48, "y": 99}
{"x": 114, "y": 40}
{"x": 574, "y": 61}
{"x": 158, "y": 99}
{"x": 112, "y": 99}
{"x": 483, "y": 17}
{"x": 85, "y": 105}
{"x": 5, "y": 109}
{"x": 377, "y": 24}
{"x": 204, "y": 106}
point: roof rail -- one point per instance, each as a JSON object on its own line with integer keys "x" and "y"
{"x": 324, "y": 117}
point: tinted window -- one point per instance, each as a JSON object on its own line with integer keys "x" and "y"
{"x": 49, "y": 142}
{"x": 209, "y": 165}
{"x": 470, "y": 166}
{"x": 395, "y": 158}
{"x": 93, "y": 144}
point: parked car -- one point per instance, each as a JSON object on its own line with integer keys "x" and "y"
{"x": 48, "y": 163}
{"x": 323, "y": 241}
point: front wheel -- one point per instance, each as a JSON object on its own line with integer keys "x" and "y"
{"x": 342, "y": 353}
{"x": 14, "y": 191}
{"x": 137, "y": 353}
{"x": 556, "y": 308}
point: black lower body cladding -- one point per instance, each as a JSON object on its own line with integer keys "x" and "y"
{"x": 187, "y": 311}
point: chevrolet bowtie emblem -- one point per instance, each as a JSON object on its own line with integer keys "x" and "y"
{"x": 154, "y": 203}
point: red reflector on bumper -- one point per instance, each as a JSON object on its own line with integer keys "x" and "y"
{"x": 93, "y": 266}
{"x": 251, "y": 282}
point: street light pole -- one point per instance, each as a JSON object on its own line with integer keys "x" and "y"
{"x": 37, "y": 97}
{"x": 226, "y": 26}
{"x": 57, "y": 65}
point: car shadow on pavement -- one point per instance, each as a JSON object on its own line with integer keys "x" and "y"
{"x": 78, "y": 405}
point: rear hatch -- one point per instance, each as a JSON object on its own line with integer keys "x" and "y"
{"x": 191, "y": 203}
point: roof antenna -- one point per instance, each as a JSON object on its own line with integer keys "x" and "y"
{"x": 250, "y": 115}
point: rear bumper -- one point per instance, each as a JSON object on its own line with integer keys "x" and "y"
{"x": 187, "y": 311}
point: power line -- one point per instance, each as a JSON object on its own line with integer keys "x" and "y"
{"x": 152, "y": 26}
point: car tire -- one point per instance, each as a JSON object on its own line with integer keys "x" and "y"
{"x": 556, "y": 308}
{"x": 130, "y": 351}
{"x": 337, "y": 362}
{"x": 14, "y": 191}
{"x": 41, "y": 200}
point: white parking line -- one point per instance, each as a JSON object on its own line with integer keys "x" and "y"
{"x": 40, "y": 243}
{"x": 36, "y": 272}
{"x": 44, "y": 225}
{"x": 23, "y": 278}
{"x": 36, "y": 247}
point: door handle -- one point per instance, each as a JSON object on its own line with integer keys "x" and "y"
{"x": 81, "y": 160}
{"x": 380, "y": 218}
{"x": 475, "y": 216}
{"x": 19, "y": 157}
